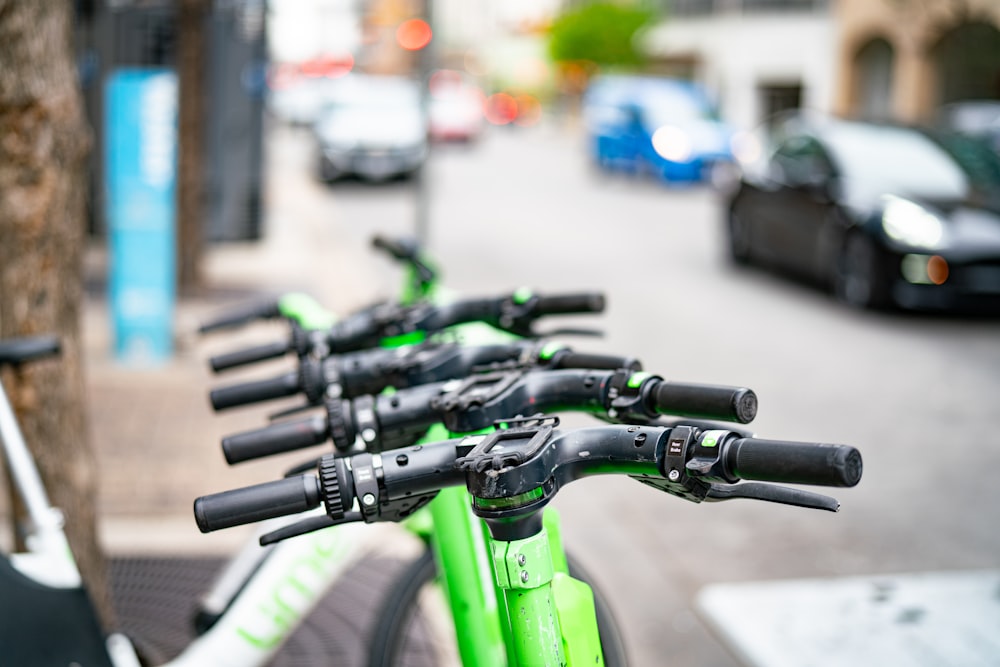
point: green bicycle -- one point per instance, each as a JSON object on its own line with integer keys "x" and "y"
{"x": 547, "y": 617}
{"x": 458, "y": 546}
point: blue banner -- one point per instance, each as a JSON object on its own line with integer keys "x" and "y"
{"x": 140, "y": 176}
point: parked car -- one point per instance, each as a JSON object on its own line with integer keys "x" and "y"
{"x": 663, "y": 126}
{"x": 299, "y": 101}
{"x": 884, "y": 215}
{"x": 455, "y": 108}
{"x": 373, "y": 127}
{"x": 977, "y": 118}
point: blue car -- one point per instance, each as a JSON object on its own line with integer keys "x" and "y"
{"x": 666, "y": 127}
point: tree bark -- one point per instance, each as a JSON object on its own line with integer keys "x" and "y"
{"x": 44, "y": 140}
{"x": 192, "y": 48}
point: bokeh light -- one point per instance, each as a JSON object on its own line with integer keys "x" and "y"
{"x": 937, "y": 269}
{"x": 501, "y": 108}
{"x": 414, "y": 34}
{"x": 529, "y": 110}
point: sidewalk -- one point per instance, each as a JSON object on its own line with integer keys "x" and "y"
{"x": 155, "y": 435}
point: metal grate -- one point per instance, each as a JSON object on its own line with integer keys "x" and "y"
{"x": 156, "y": 599}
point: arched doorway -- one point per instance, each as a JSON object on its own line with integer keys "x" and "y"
{"x": 967, "y": 59}
{"x": 873, "y": 69}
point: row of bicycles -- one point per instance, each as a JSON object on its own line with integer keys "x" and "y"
{"x": 439, "y": 414}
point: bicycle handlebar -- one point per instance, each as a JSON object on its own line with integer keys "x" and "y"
{"x": 478, "y": 401}
{"x": 512, "y": 313}
{"x": 514, "y": 472}
{"x": 399, "y": 249}
{"x": 257, "y": 391}
{"x": 793, "y": 462}
{"x": 251, "y": 355}
{"x": 704, "y": 401}
{"x": 568, "y": 304}
{"x": 259, "y": 502}
{"x": 242, "y": 315}
{"x": 275, "y": 439}
{"x": 566, "y": 358}
{"x": 372, "y": 371}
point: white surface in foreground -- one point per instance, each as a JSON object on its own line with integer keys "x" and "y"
{"x": 928, "y": 620}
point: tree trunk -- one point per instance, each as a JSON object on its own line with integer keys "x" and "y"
{"x": 191, "y": 210}
{"x": 44, "y": 140}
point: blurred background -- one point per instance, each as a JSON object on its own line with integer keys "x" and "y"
{"x": 728, "y": 172}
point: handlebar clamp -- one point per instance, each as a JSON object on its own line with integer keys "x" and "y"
{"x": 475, "y": 390}
{"x": 532, "y": 434}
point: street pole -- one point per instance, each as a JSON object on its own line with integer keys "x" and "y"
{"x": 425, "y": 67}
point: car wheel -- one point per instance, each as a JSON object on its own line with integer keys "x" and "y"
{"x": 739, "y": 238}
{"x": 859, "y": 279}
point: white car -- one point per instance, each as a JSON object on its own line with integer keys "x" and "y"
{"x": 372, "y": 127}
{"x": 455, "y": 108}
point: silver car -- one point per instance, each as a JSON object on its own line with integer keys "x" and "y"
{"x": 372, "y": 127}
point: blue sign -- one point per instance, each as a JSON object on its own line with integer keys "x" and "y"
{"x": 140, "y": 175}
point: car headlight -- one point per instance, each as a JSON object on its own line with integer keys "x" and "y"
{"x": 910, "y": 223}
{"x": 672, "y": 143}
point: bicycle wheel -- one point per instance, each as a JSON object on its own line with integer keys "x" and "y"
{"x": 412, "y": 628}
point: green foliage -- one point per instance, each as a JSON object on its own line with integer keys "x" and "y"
{"x": 601, "y": 33}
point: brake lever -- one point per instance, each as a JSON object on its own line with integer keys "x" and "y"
{"x": 570, "y": 331}
{"x": 301, "y": 468}
{"x": 304, "y": 526}
{"x": 529, "y": 333}
{"x": 772, "y": 493}
{"x": 288, "y": 412}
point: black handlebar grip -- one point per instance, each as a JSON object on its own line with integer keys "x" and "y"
{"x": 794, "y": 462}
{"x": 250, "y": 355}
{"x": 275, "y": 439}
{"x": 565, "y": 304}
{"x": 608, "y": 362}
{"x": 269, "y": 500}
{"x": 21, "y": 350}
{"x": 258, "y": 391}
{"x": 399, "y": 249}
{"x": 705, "y": 401}
{"x": 242, "y": 315}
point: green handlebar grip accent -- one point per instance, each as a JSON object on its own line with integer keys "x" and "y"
{"x": 549, "y": 350}
{"x": 522, "y": 295}
{"x": 305, "y": 310}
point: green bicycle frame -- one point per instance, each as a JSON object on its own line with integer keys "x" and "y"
{"x": 505, "y": 612}
{"x": 551, "y": 616}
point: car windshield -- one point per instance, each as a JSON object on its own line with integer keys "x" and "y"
{"x": 662, "y": 106}
{"x": 976, "y": 157}
{"x": 974, "y": 117}
{"x": 874, "y": 160}
{"x": 375, "y": 97}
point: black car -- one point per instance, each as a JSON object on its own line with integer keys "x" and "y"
{"x": 884, "y": 215}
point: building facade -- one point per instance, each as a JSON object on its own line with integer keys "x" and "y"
{"x": 904, "y": 59}
{"x": 898, "y": 59}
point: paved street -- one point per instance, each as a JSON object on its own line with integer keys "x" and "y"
{"x": 915, "y": 394}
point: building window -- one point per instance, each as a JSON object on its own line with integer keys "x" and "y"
{"x": 873, "y": 82}
{"x": 783, "y": 5}
{"x": 775, "y": 98}
{"x": 968, "y": 63}
{"x": 707, "y": 7}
